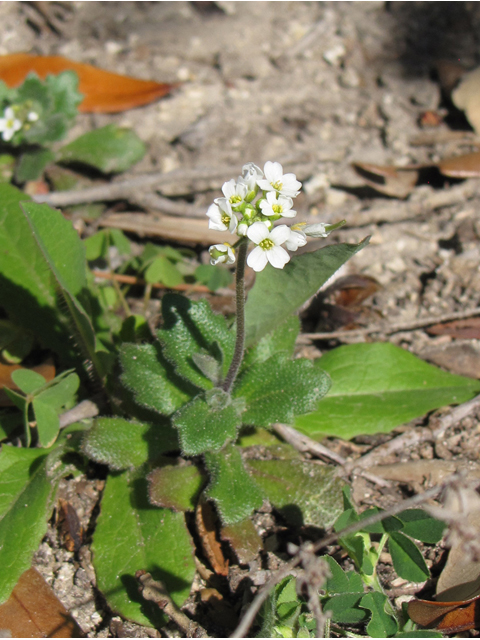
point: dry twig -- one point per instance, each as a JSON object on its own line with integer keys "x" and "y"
{"x": 86, "y": 409}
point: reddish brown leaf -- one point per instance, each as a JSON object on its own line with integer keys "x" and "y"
{"x": 205, "y": 521}
{"x": 104, "y": 92}
{"x": 71, "y": 530}
{"x": 466, "y": 166}
{"x": 34, "y": 611}
{"x": 244, "y": 540}
{"x": 467, "y": 329}
{"x": 351, "y": 291}
{"x": 392, "y": 181}
{"x": 47, "y": 370}
{"x": 450, "y": 617}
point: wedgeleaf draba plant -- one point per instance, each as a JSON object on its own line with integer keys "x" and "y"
{"x": 196, "y": 389}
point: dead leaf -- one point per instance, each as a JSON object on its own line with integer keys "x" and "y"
{"x": 34, "y": 611}
{"x": 431, "y": 471}
{"x": 351, "y": 291}
{"x": 205, "y": 521}
{"x": 469, "y": 329}
{"x": 71, "y": 530}
{"x": 466, "y": 166}
{"x": 449, "y": 73}
{"x": 47, "y": 370}
{"x": 244, "y": 540}
{"x": 104, "y": 92}
{"x": 467, "y": 97}
{"x": 396, "y": 182}
{"x": 450, "y": 617}
{"x": 463, "y": 359}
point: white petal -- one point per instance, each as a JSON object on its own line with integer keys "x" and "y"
{"x": 215, "y": 216}
{"x": 8, "y": 134}
{"x": 266, "y": 207}
{"x": 233, "y": 223}
{"x": 258, "y": 232}
{"x": 17, "y": 125}
{"x": 265, "y": 185}
{"x": 3, "y": 124}
{"x": 273, "y": 171}
{"x": 257, "y": 260}
{"x": 280, "y": 234}
{"x": 228, "y": 189}
{"x": 277, "y": 257}
{"x": 316, "y": 230}
{"x": 9, "y": 113}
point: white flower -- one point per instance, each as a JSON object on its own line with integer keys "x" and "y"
{"x": 250, "y": 174}
{"x": 32, "y": 116}
{"x": 221, "y": 216}
{"x": 9, "y": 124}
{"x": 275, "y": 180}
{"x": 281, "y": 206}
{"x": 234, "y": 192}
{"x": 316, "y": 230}
{"x": 296, "y": 239}
{"x": 221, "y": 253}
{"x": 268, "y": 247}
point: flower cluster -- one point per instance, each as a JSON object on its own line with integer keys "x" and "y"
{"x": 14, "y": 119}
{"x": 239, "y": 213}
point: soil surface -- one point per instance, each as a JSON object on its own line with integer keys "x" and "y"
{"x": 316, "y": 86}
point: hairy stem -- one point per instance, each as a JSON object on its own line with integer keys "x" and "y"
{"x": 240, "y": 304}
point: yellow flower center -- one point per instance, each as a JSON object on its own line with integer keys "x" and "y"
{"x": 266, "y": 244}
{"x": 277, "y": 208}
{"x": 277, "y": 185}
{"x": 225, "y": 219}
{"x": 235, "y": 199}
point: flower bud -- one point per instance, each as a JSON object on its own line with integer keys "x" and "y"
{"x": 221, "y": 253}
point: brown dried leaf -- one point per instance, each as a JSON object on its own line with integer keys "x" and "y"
{"x": 71, "y": 529}
{"x": 104, "y": 92}
{"x": 469, "y": 328}
{"x": 392, "y": 181}
{"x": 463, "y": 359}
{"x": 450, "y": 617}
{"x": 34, "y": 611}
{"x": 205, "y": 521}
{"x": 352, "y": 290}
{"x": 243, "y": 539}
{"x": 466, "y": 166}
{"x": 467, "y": 97}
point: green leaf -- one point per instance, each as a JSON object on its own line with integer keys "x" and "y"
{"x": 48, "y": 422}
{"x": 278, "y": 293}
{"x": 281, "y": 339}
{"x": 407, "y": 560}
{"x": 304, "y": 493}
{"x": 421, "y": 526}
{"x": 110, "y": 149}
{"x": 192, "y": 327}
{"x": 175, "y": 487}
{"x": 278, "y": 389}
{"x": 232, "y": 489}
{"x": 32, "y": 164}
{"x": 377, "y": 387}
{"x": 341, "y": 581}
{"x": 344, "y": 608}
{"x": 28, "y": 381}
{"x": 151, "y": 379}
{"x": 123, "y": 444}
{"x": 419, "y": 633}
{"x": 53, "y": 234}
{"x": 61, "y": 391}
{"x": 26, "y": 491}
{"x": 208, "y": 422}
{"x": 214, "y": 277}
{"x": 15, "y": 342}
{"x": 382, "y": 625}
{"x": 96, "y": 246}
{"x": 131, "y": 535}
{"x": 164, "y": 271}
{"x": 7, "y": 167}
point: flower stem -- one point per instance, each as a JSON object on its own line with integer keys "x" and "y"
{"x": 240, "y": 304}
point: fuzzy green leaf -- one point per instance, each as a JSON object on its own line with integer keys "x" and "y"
{"x": 208, "y": 422}
{"x": 123, "y": 444}
{"x": 407, "y": 560}
{"x": 26, "y": 491}
{"x": 151, "y": 379}
{"x": 132, "y": 535}
{"x": 421, "y": 526}
{"x": 32, "y": 163}
{"x": 175, "y": 487}
{"x": 304, "y": 493}
{"x": 382, "y": 625}
{"x": 192, "y": 327}
{"x": 231, "y": 487}
{"x": 281, "y": 339}
{"x": 278, "y": 293}
{"x": 377, "y": 387}
{"x": 110, "y": 149}
{"x": 278, "y": 389}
